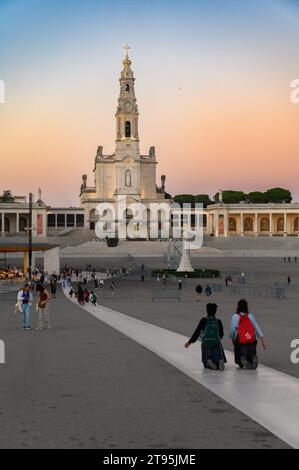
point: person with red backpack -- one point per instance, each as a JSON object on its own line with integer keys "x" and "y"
{"x": 244, "y": 332}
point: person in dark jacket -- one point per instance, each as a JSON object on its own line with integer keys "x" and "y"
{"x": 210, "y": 330}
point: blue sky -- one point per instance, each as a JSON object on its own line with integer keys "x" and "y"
{"x": 194, "y": 62}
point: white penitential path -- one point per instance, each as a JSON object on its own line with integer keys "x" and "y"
{"x": 267, "y": 396}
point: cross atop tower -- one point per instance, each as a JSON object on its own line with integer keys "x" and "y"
{"x": 126, "y": 47}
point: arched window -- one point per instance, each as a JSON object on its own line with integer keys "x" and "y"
{"x": 128, "y": 181}
{"x": 127, "y": 88}
{"x": 248, "y": 224}
{"x": 280, "y": 224}
{"x": 128, "y": 129}
{"x": 296, "y": 224}
{"x": 92, "y": 214}
{"x": 129, "y": 215}
{"x": 265, "y": 224}
{"x": 232, "y": 223}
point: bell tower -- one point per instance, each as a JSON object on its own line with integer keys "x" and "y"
{"x": 127, "y": 138}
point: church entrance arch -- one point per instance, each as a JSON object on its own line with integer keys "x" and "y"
{"x": 248, "y": 224}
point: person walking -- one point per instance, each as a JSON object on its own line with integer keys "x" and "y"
{"x": 25, "y": 299}
{"x": 289, "y": 281}
{"x": 112, "y": 287}
{"x": 208, "y": 291}
{"x": 43, "y": 310}
{"x": 198, "y": 290}
{"x": 180, "y": 284}
{"x": 53, "y": 288}
{"x": 210, "y": 330}
{"x": 86, "y": 295}
{"x": 244, "y": 333}
{"x": 80, "y": 294}
{"x": 93, "y": 298}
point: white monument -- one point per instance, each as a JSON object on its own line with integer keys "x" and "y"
{"x": 185, "y": 263}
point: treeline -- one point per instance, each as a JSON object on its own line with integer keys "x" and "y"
{"x": 273, "y": 195}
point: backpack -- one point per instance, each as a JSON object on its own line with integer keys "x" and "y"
{"x": 93, "y": 298}
{"x": 25, "y": 297}
{"x": 246, "y": 332}
{"x": 211, "y": 333}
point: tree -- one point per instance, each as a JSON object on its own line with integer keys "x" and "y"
{"x": 7, "y": 197}
{"x": 231, "y": 197}
{"x": 203, "y": 199}
{"x": 256, "y": 197}
{"x": 278, "y": 195}
{"x": 184, "y": 199}
{"x": 168, "y": 196}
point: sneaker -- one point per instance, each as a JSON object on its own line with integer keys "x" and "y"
{"x": 255, "y": 362}
{"x": 27, "y": 328}
{"x": 211, "y": 364}
{"x": 221, "y": 364}
{"x": 245, "y": 363}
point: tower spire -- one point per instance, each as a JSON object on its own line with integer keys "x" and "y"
{"x": 127, "y": 109}
{"x": 126, "y": 60}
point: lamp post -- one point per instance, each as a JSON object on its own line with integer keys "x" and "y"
{"x": 30, "y": 237}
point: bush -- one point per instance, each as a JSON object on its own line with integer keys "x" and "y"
{"x": 197, "y": 273}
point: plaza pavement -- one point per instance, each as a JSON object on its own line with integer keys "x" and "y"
{"x": 83, "y": 384}
{"x": 266, "y": 395}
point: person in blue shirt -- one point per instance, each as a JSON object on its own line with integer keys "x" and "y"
{"x": 245, "y": 353}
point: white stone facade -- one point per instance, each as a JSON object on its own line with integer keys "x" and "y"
{"x": 126, "y": 172}
{"x": 252, "y": 219}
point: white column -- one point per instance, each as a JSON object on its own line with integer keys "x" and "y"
{"x": 225, "y": 224}
{"x": 52, "y": 260}
{"x": 242, "y": 224}
{"x": 3, "y": 223}
{"x": 216, "y": 224}
{"x": 18, "y": 223}
{"x": 255, "y": 224}
{"x": 271, "y": 224}
{"x": 285, "y": 228}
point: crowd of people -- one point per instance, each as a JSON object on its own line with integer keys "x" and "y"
{"x": 244, "y": 330}
{"x": 11, "y": 272}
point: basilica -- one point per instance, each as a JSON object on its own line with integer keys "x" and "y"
{"x": 126, "y": 172}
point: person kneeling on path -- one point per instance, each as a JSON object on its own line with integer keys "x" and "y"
{"x": 210, "y": 330}
{"x": 244, "y": 332}
{"x": 43, "y": 310}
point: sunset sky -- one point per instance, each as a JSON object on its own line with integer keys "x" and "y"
{"x": 212, "y": 84}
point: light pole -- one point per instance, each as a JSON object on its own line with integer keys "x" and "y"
{"x": 30, "y": 237}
